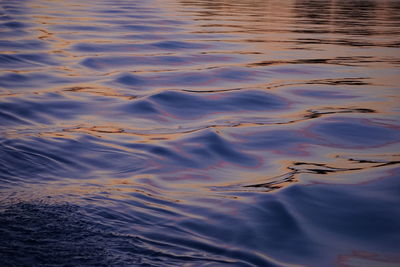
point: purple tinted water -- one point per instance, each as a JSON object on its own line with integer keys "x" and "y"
{"x": 199, "y": 133}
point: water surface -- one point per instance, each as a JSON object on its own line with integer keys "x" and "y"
{"x": 199, "y": 133}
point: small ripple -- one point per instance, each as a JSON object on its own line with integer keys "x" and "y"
{"x": 54, "y": 158}
{"x": 355, "y": 133}
{"x": 24, "y": 45}
{"x": 18, "y": 61}
{"x": 116, "y": 62}
{"x": 192, "y": 79}
{"x": 19, "y": 81}
{"x": 180, "y": 105}
{"x": 38, "y": 109}
{"x": 123, "y": 47}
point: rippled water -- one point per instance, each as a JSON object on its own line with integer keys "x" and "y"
{"x": 199, "y": 133}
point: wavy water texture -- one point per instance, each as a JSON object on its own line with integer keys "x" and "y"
{"x": 199, "y": 133}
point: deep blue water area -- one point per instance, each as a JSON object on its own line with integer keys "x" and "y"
{"x": 200, "y": 133}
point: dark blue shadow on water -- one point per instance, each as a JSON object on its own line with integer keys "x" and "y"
{"x": 315, "y": 224}
{"x": 308, "y": 225}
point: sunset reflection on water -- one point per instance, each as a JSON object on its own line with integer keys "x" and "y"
{"x": 199, "y": 133}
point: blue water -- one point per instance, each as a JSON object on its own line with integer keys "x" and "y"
{"x": 199, "y": 133}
